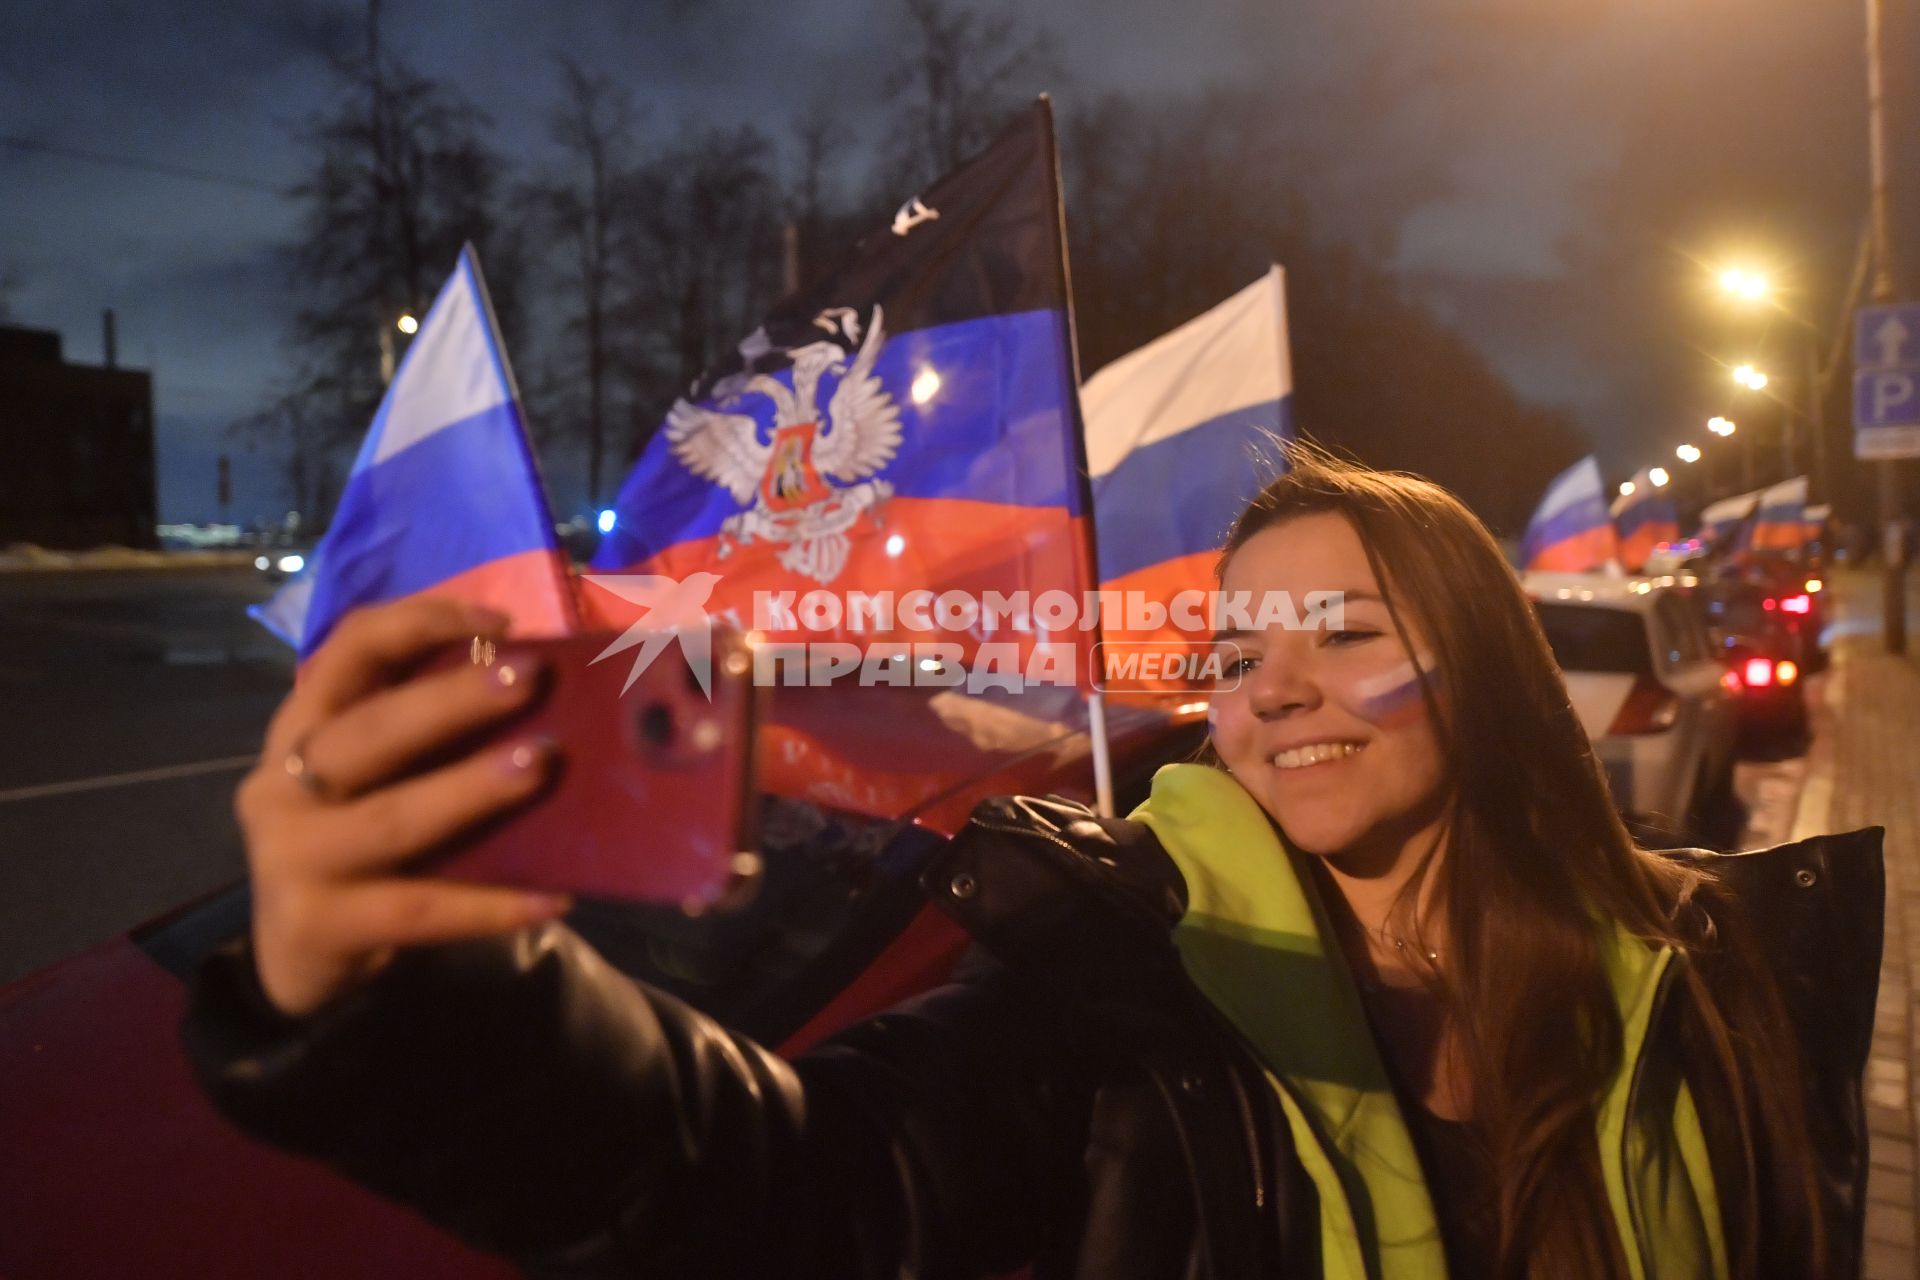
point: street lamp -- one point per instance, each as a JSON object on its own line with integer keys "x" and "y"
{"x": 1659, "y": 477}
{"x": 1688, "y": 453}
{"x": 1749, "y": 377}
{"x": 407, "y": 324}
{"x": 1626, "y": 488}
{"x": 1748, "y": 286}
{"x": 1720, "y": 426}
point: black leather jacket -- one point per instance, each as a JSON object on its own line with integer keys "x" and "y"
{"x": 1068, "y": 1102}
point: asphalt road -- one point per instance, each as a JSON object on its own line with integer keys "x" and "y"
{"x": 128, "y": 702}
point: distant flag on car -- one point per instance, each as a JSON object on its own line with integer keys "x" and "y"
{"x": 445, "y": 497}
{"x": 1780, "y": 525}
{"x": 1173, "y": 431}
{"x": 907, "y": 422}
{"x": 1571, "y": 531}
{"x": 1642, "y": 520}
{"x": 1813, "y": 523}
{"x": 1726, "y": 526}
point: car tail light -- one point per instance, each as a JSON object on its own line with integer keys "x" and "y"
{"x": 1797, "y": 604}
{"x": 1769, "y": 604}
{"x": 1650, "y": 707}
{"x": 1758, "y": 673}
{"x": 1785, "y": 672}
{"x": 1730, "y": 681}
{"x": 1814, "y": 585}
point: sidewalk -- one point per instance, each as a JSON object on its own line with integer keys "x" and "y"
{"x": 1864, "y": 770}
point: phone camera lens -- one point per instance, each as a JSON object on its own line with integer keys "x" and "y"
{"x": 656, "y": 725}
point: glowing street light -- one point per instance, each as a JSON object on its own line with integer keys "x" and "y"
{"x": 1748, "y": 286}
{"x": 1720, "y": 426}
{"x": 1626, "y": 488}
{"x": 407, "y": 324}
{"x": 1688, "y": 453}
{"x": 1659, "y": 477}
{"x": 1749, "y": 377}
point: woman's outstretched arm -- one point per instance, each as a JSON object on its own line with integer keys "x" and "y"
{"x": 537, "y": 1103}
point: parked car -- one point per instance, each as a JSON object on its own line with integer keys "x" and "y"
{"x": 1781, "y": 607}
{"x": 277, "y": 564}
{"x": 1649, "y": 690}
{"x": 1770, "y": 701}
{"x": 104, "y": 1125}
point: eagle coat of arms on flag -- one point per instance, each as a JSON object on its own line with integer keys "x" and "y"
{"x": 789, "y": 477}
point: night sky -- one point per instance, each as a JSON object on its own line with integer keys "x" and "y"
{"x": 1554, "y": 177}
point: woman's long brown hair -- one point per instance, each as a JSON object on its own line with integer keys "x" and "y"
{"x": 1533, "y": 853}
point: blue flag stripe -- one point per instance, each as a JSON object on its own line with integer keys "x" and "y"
{"x": 997, "y": 429}
{"x": 437, "y": 508}
{"x": 1179, "y": 495}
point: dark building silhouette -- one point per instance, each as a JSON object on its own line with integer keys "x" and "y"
{"x": 76, "y": 446}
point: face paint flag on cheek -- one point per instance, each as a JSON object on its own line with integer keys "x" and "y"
{"x": 1393, "y": 695}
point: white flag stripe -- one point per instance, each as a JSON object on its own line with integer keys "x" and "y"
{"x": 448, "y": 376}
{"x": 1232, "y": 357}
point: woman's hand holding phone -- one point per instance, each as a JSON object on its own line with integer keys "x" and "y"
{"x": 338, "y": 804}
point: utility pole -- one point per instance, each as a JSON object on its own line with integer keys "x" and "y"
{"x": 1893, "y": 541}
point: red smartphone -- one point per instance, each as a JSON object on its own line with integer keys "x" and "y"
{"x": 654, "y": 798}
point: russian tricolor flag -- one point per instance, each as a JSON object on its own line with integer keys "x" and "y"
{"x": 1642, "y": 520}
{"x": 444, "y": 497}
{"x": 1571, "y": 531}
{"x": 1174, "y": 431}
{"x": 907, "y": 422}
{"x": 1724, "y": 525}
{"x": 1781, "y": 523}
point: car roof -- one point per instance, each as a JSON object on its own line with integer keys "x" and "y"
{"x": 1601, "y": 590}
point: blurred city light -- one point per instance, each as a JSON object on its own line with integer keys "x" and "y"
{"x": 407, "y": 324}
{"x": 895, "y": 544}
{"x": 1688, "y": 453}
{"x": 292, "y": 563}
{"x": 926, "y": 385}
{"x": 1720, "y": 426}
{"x": 1749, "y": 286}
{"x": 1751, "y": 378}
{"x": 1659, "y": 477}
{"x": 606, "y": 521}
{"x": 1626, "y": 488}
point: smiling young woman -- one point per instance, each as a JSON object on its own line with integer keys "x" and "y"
{"x": 1386, "y": 991}
{"x": 1426, "y": 761}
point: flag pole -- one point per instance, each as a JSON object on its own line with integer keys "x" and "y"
{"x": 470, "y": 258}
{"x": 1096, "y": 702}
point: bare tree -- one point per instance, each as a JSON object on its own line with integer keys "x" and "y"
{"x": 705, "y": 244}
{"x": 594, "y": 126}
{"x": 401, "y": 177}
{"x": 961, "y": 72}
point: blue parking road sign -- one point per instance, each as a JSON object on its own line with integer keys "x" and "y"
{"x": 1886, "y": 382}
{"x": 1887, "y": 397}
{"x": 1884, "y": 336}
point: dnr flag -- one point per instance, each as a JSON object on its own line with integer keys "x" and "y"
{"x": 444, "y": 497}
{"x": 907, "y": 423}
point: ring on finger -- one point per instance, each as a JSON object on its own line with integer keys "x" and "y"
{"x": 301, "y": 770}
